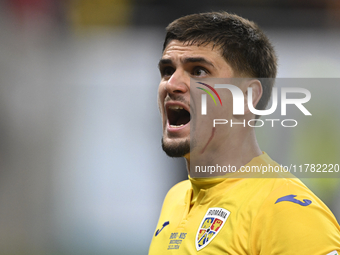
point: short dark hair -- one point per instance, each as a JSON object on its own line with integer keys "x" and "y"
{"x": 242, "y": 44}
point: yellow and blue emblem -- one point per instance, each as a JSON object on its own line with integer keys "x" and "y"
{"x": 211, "y": 224}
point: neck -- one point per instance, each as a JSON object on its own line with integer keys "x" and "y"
{"x": 234, "y": 151}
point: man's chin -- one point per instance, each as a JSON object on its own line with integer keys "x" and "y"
{"x": 176, "y": 149}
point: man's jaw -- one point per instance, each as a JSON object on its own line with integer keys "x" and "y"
{"x": 176, "y": 147}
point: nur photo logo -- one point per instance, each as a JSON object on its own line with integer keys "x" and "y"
{"x": 204, "y": 97}
{"x": 238, "y": 104}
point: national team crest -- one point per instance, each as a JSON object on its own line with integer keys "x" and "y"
{"x": 211, "y": 224}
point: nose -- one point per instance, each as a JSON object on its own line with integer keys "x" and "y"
{"x": 179, "y": 83}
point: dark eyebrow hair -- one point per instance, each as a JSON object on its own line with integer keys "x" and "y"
{"x": 166, "y": 61}
{"x": 198, "y": 60}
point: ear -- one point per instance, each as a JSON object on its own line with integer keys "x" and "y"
{"x": 256, "y": 93}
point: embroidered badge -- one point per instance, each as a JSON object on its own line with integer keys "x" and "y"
{"x": 333, "y": 253}
{"x": 211, "y": 224}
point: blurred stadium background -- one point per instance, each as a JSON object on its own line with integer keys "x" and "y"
{"x": 82, "y": 170}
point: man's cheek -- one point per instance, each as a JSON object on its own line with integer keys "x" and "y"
{"x": 161, "y": 95}
{"x": 160, "y": 100}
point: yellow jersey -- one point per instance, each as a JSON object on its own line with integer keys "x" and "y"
{"x": 245, "y": 216}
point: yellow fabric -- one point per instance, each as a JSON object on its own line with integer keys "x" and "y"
{"x": 256, "y": 224}
{"x": 202, "y": 184}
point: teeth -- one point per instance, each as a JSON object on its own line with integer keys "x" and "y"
{"x": 173, "y": 126}
{"x": 175, "y": 107}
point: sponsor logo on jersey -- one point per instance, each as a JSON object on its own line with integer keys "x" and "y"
{"x": 291, "y": 198}
{"x": 164, "y": 225}
{"x": 211, "y": 224}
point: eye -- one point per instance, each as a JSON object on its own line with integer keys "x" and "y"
{"x": 200, "y": 71}
{"x": 167, "y": 71}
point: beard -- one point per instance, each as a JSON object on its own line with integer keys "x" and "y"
{"x": 176, "y": 150}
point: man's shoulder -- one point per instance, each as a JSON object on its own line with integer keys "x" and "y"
{"x": 291, "y": 199}
{"x": 179, "y": 189}
{"x": 289, "y": 190}
{"x": 279, "y": 185}
{"x": 285, "y": 193}
{"x": 294, "y": 213}
{"x": 176, "y": 195}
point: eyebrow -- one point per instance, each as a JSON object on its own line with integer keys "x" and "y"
{"x": 198, "y": 60}
{"x": 164, "y": 61}
{"x": 201, "y": 60}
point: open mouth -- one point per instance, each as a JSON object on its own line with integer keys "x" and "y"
{"x": 177, "y": 116}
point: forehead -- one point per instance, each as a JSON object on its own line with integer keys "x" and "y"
{"x": 177, "y": 49}
{"x": 177, "y": 52}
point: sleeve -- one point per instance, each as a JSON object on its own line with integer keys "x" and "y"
{"x": 293, "y": 220}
